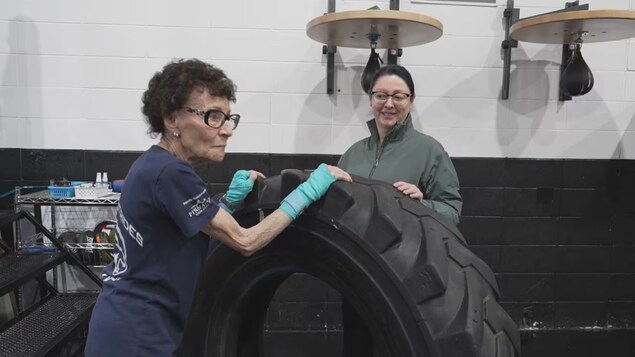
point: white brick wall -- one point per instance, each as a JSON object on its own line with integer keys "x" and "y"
{"x": 72, "y": 73}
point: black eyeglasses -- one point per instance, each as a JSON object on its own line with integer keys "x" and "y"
{"x": 216, "y": 118}
{"x": 396, "y": 98}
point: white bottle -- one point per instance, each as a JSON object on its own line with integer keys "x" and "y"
{"x": 104, "y": 180}
{"x": 98, "y": 180}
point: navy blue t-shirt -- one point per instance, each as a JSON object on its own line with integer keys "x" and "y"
{"x": 160, "y": 250}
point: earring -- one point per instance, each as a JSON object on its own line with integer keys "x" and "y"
{"x": 175, "y": 134}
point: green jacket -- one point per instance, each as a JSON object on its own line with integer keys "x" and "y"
{"x": 410, "y": 156}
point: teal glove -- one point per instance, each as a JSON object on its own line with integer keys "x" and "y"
{"x": 239, "y": 188}
{"x": 308, "y": 192}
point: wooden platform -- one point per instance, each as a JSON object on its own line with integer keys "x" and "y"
{"x": 561, "y": 28}
{"x": 394, "y": 28}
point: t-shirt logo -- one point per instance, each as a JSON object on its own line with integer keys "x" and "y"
{"x": 198, "y": 204}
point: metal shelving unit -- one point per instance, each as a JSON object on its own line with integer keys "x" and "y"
{"x": 73, "y": 221}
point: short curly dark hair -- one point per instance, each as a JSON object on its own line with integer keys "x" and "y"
{"x": 169, "y": 89}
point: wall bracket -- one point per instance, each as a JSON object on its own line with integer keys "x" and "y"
{"x": 394, "y": 53}
{"x": 510, "y": 16}
{"x": 329, "y": 51}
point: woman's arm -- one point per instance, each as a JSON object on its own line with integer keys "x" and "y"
{"x": 249, "y": 240}
{"x": 246, "y": 241}
{"x": 442, "y": 189}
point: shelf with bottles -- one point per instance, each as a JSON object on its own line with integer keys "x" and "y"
{"x": 44, "y": 197}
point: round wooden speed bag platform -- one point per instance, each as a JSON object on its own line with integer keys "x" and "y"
{"x": 396, "y": 29}
{"x": 557, "y": 28}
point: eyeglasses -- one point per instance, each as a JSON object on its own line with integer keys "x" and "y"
{"x": 397, "y": 98}
{"x": 216, "y": 118}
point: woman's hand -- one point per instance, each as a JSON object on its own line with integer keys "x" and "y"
{"x": 312, "y": 189}
{"x": 241, "y": 185}
{"x": 409, "y": 189}
{"x": 339, "y": 174}
{"x": 254, "y": 175}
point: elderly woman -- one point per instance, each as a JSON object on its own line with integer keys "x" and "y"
{"x": 415, "y": 163}
{"x": 166, "y": 217}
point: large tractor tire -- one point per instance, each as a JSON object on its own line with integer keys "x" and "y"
{"x": 405, "y": 269}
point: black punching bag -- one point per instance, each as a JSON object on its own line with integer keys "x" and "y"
{"x": 371, "y": 68}
{"x": 577, "y": 78}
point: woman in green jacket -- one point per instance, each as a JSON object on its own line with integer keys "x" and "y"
{"x": 397, "y": 153}
{"x": 415, "y": 163}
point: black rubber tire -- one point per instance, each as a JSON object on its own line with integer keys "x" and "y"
{"x": 405, "y": 269}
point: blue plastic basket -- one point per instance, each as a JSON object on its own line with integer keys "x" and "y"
{"x": 62, "y": 192}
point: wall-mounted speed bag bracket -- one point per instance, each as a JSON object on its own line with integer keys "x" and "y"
{"x": 571, "y": 27}
{"x": 511, "y": 18}
{"x": 329, "y": 51}
{"x": 389, "y": 29}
